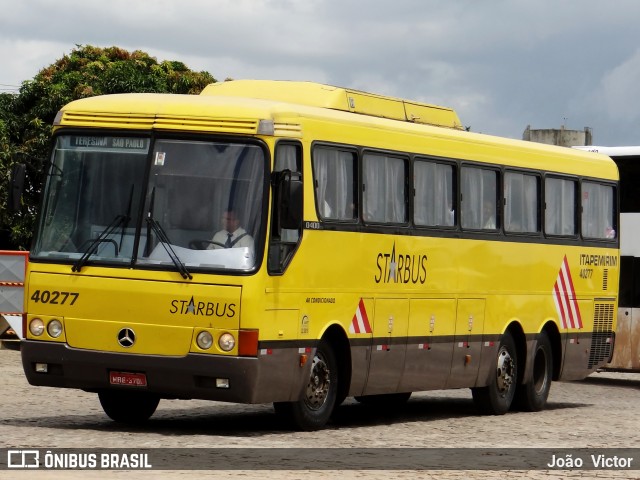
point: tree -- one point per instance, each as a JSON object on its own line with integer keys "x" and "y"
{"x": 26, "y": 119}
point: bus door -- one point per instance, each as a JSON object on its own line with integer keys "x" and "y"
{"x": 467, "y": 343}
{"x": 390, "y": 323}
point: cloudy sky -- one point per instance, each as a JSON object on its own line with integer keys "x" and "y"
{"x": 502, "y": 64}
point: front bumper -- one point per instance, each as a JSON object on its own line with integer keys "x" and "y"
{"x": 251, "y": 379}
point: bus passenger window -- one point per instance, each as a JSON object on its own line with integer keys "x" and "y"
{"x": 478, "y": 193}
{"x": 334, "y": 178}
{"x": 560, "y": 206}
{"x": 597, "y": 211}
{"x": 384, "y": 197}
{"x": 433, "y": 199}
{"x": 521, "y": 199}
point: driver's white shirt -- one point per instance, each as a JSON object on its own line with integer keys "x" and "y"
{"x": 222, "y": 236}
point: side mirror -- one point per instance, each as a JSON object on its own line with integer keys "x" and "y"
{"x": 16, "y": 187}
{"x": 289, "y": 196}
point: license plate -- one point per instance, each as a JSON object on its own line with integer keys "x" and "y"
{"x": 128, "y": 378}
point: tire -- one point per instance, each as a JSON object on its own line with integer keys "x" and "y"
{"x": 128, "y": 407}
{"x": 386, "y": 399}
{"x": 315, "y": 407}
{"x": 496, "y": 398}
{"x": 532, "y": 396}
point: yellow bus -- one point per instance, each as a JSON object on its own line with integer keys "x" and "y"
{"x": 296, "y": 244}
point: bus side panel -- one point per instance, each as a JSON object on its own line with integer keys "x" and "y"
{"x": 429, "y": 344}
{"x": 586, "y": 352}
{"x": 360, "y": 359}
{"x": 360, "y": 344}
{"x": 284, "y": 374}
{"x": 283, "y": 377}
{"x": 576, "y": 345}
{"x": 389, "y": 345}
{"x": 467, "y": 344}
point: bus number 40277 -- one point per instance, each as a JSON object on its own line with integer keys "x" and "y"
{"x": 586, "y": 273}
{"x": 55, "y": 297}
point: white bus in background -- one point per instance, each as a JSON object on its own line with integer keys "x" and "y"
{"x": 626, "y": 355}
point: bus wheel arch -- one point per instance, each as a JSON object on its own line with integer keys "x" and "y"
{"x": 556, "y": 347}
{"x": 328, "y": 381}
{"x": 337, "y": 338}
{"x": 497, "y": 396}
{"x": 517, "y": 333}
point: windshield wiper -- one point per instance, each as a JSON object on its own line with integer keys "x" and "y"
{"x": 102, "y": 238}
{"x": 164, "y": 241}
{"x": 119, "y": 221}
{"x": 152, "y": 224}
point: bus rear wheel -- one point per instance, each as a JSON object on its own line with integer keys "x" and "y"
{"x": 128, "y": 407}
{"x": 496, "y": 398}
{"x": 313, "y": 410}
{"x": 532, "y": 396}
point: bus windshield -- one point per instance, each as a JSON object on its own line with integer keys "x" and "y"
{"x": 201, "y": 206}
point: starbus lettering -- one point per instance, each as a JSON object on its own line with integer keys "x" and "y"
{"x": 401, "y": 268}
{"x": 205, "y": 309}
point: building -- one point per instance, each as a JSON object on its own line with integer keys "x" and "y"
{"x": 561, "y": 137}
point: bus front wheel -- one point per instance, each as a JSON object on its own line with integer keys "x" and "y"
{"x": 128, "y": 407}
{"x": 313, "y": 410}
{"x": 497, "y": 396}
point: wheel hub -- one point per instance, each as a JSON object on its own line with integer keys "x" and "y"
{"x": 505, "y": 371}
{"x": 319, "y": 381}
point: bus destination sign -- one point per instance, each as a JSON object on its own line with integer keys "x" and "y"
{"x": 82, "y": 141}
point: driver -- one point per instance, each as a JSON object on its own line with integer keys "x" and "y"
{"x": 232, "y": 234}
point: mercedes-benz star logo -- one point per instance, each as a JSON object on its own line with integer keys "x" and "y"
{"x": 126, "y": 337}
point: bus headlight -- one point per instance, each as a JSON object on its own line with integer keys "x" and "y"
{"x": 204, "y": 340}
{"x": 54, "y": 328}
{"x": 36, "y": 327}
{"x": 227, "y": 342}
